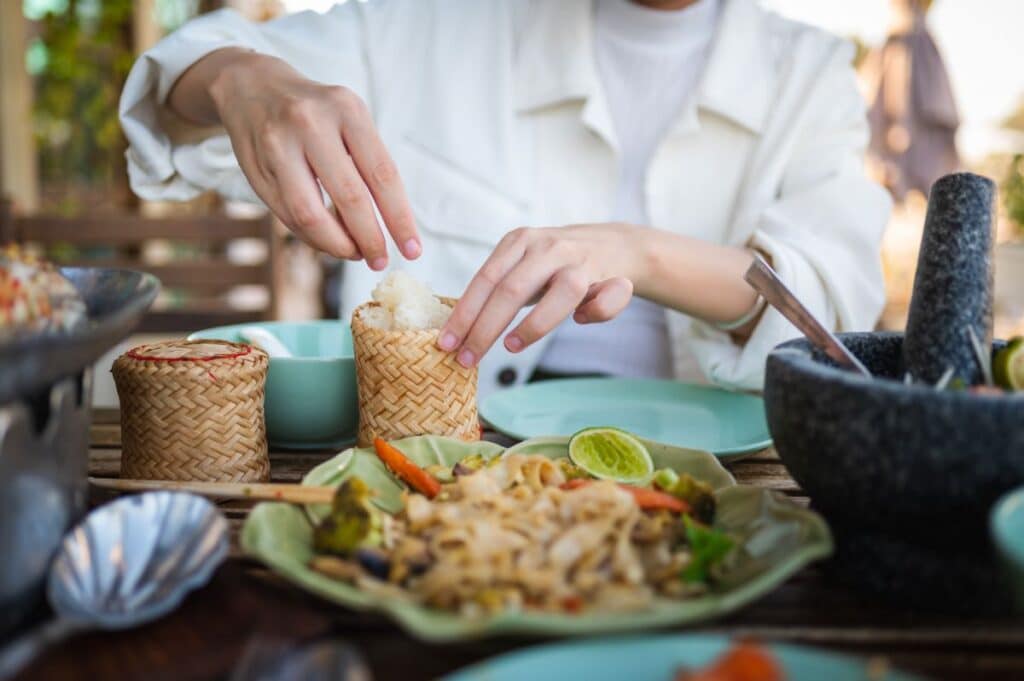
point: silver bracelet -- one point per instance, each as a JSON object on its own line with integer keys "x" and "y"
{"x": 745, "y": 319}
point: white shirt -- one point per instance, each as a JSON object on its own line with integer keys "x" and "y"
{"x": 648, "y": 61}
{"x": 493, "y": 115}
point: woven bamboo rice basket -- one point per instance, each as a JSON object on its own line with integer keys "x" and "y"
{"x": 407, "y": 386}
{"x": 193, "y": 410}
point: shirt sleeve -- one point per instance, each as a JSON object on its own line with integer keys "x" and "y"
{"x": 166, "y": 161}
{"x": 822, "y": 233}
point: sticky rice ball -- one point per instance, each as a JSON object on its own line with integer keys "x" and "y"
{"x": 376, "y": 317}
{"x": 405, "y": 304}
{"x": 399, "y": 287}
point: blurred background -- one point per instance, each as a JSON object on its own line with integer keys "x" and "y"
{"x": 941, "y": 78}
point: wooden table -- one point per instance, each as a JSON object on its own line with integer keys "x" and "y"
{"x": 244, "y": 602}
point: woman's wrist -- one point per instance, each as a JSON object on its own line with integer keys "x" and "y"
{"x": 233, "y": 70}
{"x": 696, "y": 277}
{"x": 199, "y": 94}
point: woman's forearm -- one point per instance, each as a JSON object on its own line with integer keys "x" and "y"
{"x": 699, "y": 278}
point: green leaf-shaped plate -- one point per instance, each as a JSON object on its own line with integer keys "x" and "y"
{"x": 776, "y": 539}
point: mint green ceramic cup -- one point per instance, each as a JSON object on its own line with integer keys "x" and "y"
{"x": 1007, "y": 527}
{"x": 311, "y": 400}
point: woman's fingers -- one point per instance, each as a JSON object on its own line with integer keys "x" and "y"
{"x": 295, "y": 139}
{"x": 551, "y": 268}
{"x": 494, "y": 271}
{"x": 515, "y": 291}
{"x": 265, "y": 186}
{"x": 302, "y": 207}
{"x": 567, "y": 289}
{"x": 338, "y": 174}
{"x": 379, "y": 173}
{"x": 604, "y": 301}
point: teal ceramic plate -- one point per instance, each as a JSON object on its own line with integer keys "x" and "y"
{"x": 703, "y": 417}
{"x": 311, "y": 398}
{"x": 657, "y": 658}
{"x": 775, "y": 539}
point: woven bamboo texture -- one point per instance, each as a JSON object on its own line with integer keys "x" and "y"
{"x": 407, "y": 386}
{"x": 193, "y": 410}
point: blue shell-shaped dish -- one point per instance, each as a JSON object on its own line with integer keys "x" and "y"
{"x": 134, "y": 560}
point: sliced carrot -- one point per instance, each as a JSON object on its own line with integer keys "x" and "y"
{"x": 414, "y": 476}
{"x": 575, "y": 483}
{"x": 742, "y": 662}
{"x": 645, "y": 497}
{"x": 572, "y": 604}
{"x": 652, "y": 499}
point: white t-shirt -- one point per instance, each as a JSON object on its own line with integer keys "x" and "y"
{"x": 649, "y": 62}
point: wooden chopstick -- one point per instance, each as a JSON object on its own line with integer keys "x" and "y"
{"x": 295, "y": 494}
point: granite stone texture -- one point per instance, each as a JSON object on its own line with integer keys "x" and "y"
{"x": 876, "y": 453}
{"x": 953, "y": 283}
{"x": 956, "y": 576}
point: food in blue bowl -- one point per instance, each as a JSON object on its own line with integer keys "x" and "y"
{"x": 311, "y": 398}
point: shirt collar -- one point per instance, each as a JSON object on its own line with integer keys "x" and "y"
{"x": 555, "y": 62}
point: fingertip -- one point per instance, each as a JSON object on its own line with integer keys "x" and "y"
{"x": 466, "y": 358}
{"x": 379, "y": 263}
{"x": 447, "y": 341}
{"x": 514, "y": 343}
{"x": 412, "y": 248}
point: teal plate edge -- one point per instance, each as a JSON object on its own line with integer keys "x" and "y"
{"x": 726, "y": 454}
{"x": 660, "y": 655}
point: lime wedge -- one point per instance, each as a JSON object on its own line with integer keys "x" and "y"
{"x": 1008, "y": 365}
{"x": 611, "y": 454}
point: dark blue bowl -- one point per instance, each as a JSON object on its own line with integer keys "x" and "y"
{"x": 876, "y": 453}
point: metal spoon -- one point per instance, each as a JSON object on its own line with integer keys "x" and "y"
{"x": 765, "y": 281}
{"x": 129, "y": 562}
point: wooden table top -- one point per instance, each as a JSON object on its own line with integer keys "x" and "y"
{"x": 245, "y": 603}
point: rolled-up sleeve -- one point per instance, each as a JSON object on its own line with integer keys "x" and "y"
{"x": 165, "y": 160}
{"x": 822, "y": 233}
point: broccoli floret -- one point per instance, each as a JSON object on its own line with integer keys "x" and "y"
{"x": 699, "y": 495}
{"x": 708, "y": 547}
{"x": 353, "y": 523}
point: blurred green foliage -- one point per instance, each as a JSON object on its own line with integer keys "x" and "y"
{"x": 1013, "y": 193}
{"x": 80, "y": 59}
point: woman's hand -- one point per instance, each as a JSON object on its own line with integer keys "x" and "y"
{"x": 590, "y": 272}
{"x": 586, "y": 271}
{"x": 291, "y": 136}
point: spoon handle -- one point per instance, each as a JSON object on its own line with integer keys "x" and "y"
{"x": 24, "y": 649}
{"x": 766, "y": 282}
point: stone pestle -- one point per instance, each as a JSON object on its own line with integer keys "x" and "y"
{"x": 953, "y": 284}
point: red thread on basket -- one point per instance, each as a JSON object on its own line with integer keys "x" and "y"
{"x": 153, "y": 358}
